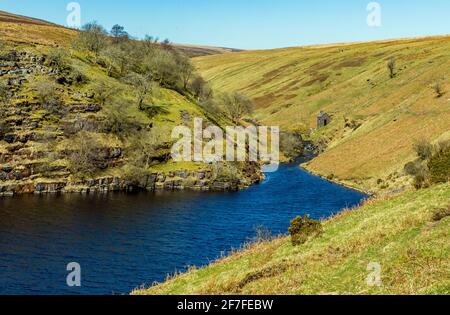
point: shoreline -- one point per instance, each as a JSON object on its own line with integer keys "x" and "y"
{"x": 340, "y": 183}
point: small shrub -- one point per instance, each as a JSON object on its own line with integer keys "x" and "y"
{"x": 437, "y": 87}
{"x": 303, "y": 228}
{"x": 439, "y": 166}
{"x": 391, "y": 65}
{"x": 135, "y": 176}
{"x": 78, "y": 78}
{"x": 422, "y": 180}
{"x": 262, "y": 234}
{"x": 413, "y": 168}
{"x": 57, "y": 59}
{"x": 291, "y": 145}
{"x": 153, "y": 110}
{"x": 118, "y": 120}
{"x": 226, "y": 172}
{"x": 49, "y": 95}
{"x": 424, "y": 149}
{"x": 4, "y": 94}
{"x": 103, "y": 92}
{"x": 440, "y": 214}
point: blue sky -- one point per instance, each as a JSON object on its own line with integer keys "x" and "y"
{"x": 252, "y": 24}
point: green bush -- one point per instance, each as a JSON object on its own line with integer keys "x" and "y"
{"x": 291, "y": 144}
{"x": 441, "y": 214}
{"x": 433, "y": 165}
{"x": 413, "y": 168}
{"x": 303, "y": 228}
{"x": 424, "y": 149}
{"x": 439, "y": 166}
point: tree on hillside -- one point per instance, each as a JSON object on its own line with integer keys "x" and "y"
{"x": 391, "y": 65}
{"x": 118, "y": 32}
{"x": 146, "y": 146}
{"x": 236, "y": 105}
{"x": 200, "y": 88}
{"x": 143, "y": 86}
{"x": 93, "y": 37}
{"x": 117, "y": 59}
{"x": 186, "y": 69}
{"x": 164, "y": 68}
{"x": 166, "y": 44}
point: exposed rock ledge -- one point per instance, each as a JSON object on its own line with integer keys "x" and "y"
{"x": 178, "y": 180}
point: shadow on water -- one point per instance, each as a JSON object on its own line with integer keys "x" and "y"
{"x": 122, "y": 241}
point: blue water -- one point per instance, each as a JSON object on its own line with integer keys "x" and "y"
{"x": 123, "y": 241}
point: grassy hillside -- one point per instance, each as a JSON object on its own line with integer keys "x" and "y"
{"x": 403, "y": 234}
{"x": 376, "y": 119}
{"x": 196, "y": 50}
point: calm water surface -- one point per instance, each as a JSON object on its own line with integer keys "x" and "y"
{"x": 123, "y": 241}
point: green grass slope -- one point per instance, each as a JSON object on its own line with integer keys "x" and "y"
{"x": 376, "y": 119}
{"x": 400, "y": 233}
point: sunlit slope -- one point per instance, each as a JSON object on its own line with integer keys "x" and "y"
{"x": 403, "y": 235}
{"x": 21, "y": 29}
{"x": 350, "y": 81}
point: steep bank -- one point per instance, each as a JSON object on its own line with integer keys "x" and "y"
{"x": 375, "y": 119}
{"x": 405, "y": 235}
{"x": 72, "y": 120}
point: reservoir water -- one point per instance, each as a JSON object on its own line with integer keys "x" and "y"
{"x": 123, "y": 241}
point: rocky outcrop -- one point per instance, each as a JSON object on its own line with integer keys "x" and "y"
{"x": 173, "y": 181}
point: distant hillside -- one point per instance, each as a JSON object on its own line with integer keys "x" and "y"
{"x": 375, "y": 118}
{"x": 19, "y": 19}
{"x": 28, "y": 30}
{"x": 197, "y": 51}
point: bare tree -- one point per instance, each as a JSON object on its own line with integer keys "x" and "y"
{"x": 147, "y": 145}
{"x": 83, "y": 155}
{"x": 143, "y": 85}
{"x": 391, "y": 67}
{"x": 93, "y": 37}
{"x": 437, "y": 87}
{"x": 116, "y": 58}
{"x": 186, "y": 69}
{"x": 236, "y": 105}
{"x": 201, "y": 89}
